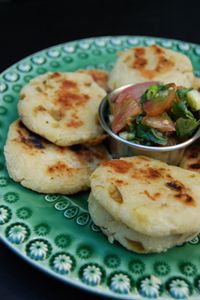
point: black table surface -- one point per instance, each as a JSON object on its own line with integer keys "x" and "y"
{"x": 29, "y": 26}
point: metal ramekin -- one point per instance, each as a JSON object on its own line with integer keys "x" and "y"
{"x": 120, "y": 147}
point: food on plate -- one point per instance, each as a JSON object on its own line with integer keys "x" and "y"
{"x": 62, "y": 107}
{"x": 141, "y": 64}
{"x": 99, "y": 76}
{"x": 196, "y": 83}
{"x": 191, "y": 159}
{"x": 145, "y": 204}
{"x": 46, "y": 168}
{"x": 155, "y": 114}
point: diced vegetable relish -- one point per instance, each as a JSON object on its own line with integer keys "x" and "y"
{"x": 153, "y": 113}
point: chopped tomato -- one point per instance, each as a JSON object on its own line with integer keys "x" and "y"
{"x": 156, "y": 107}
{"x": 127, "y": 104}
{"x": 129, "y": 108}
{"x": 163, "y": 123}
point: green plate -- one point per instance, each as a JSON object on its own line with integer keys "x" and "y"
{"x": 55, "y": 233}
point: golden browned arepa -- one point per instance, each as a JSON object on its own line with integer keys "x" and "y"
{"x": 62, "y": 107}
{"x": 145, "y": 204}
{"x": 46, "y": 168}
{"x": 142, "y": 64}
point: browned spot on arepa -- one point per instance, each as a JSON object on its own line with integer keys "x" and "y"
{"x": 181, "y": 192}
{"x": 140, "y": 61}
{"x": 119, "y": 165}
{"x": 69, "y": 95}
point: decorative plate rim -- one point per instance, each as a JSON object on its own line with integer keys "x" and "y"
{"x": 73, "y": 281}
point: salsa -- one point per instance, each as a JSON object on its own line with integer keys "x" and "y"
{"x": 155, "y": 114}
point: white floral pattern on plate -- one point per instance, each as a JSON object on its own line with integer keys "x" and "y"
{"x": 150, "y": 286}
{"x": 38, "y": 249}
{"x": 5, "y": 214}
{"x": 17, "y": 233}
{"x": 120, "y": 283}
{"x": 91, "y": 275}
{"x": 62, "y": 263}
{"x": 179, "y": 289}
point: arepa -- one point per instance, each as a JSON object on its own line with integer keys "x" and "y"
{"x": 145, "y": 204}
{"x": 155, "y": 63}
{"x": 46, "y": 168}
{"x": 62, "y": 107}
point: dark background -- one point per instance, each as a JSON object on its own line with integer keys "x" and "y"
{"x": 29, "y": 26}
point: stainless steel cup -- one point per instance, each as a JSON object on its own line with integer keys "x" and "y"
{"x": 120, "y": 147}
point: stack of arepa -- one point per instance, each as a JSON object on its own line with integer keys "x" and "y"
{"x": 55, "y": 146}
{"x": 145, "y": 204}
